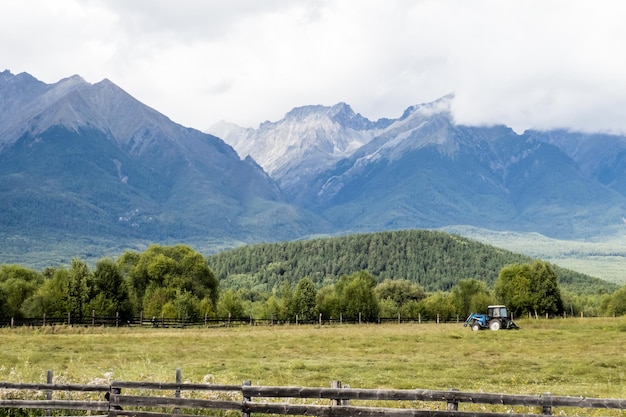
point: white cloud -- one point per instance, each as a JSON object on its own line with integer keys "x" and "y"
{"x": 525, "y": 63}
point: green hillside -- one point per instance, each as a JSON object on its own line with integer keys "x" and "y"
{"x": 435, "y": 260}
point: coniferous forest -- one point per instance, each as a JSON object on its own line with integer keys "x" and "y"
{"x": 436, "y": 261}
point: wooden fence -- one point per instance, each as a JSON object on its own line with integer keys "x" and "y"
{"x": 155, "y": 399}
{"x": 178, "y": 322}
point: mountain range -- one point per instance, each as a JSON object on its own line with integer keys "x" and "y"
{"x": 88, "y": 162}
{"x": 424, "y": 170}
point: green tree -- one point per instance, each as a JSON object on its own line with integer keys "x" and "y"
{"x": 545, "y": 293}
{"x": 328, "y": 302}
{"x": 110, "y": 290}
{"x": 304, "y": 300}
{"x": 177, "y": 269}
{"x": 513, "y": 288}
{"x": 439, "y": 305}
{"x": 412, "y": 309}
{"x": 127, "y": 262}
{"x": 154, "y": 299}
{"x": 187, "y": 305}
{"x": 17, "y": 283}
{"x": 358, "y": 297}
{"x": 51, "y": 297}
{"x": 207, "y": 309}
{"x": 529, "y": 288}
{"x": 230, "y": 305}
{"x": 616, "y": 303}
{"x": 470, "y": 296}
{"x": 78, "y": 289}
{"x": 387, "y": 308}
{"x": 4, "y": 311}
{"x": 394, "y": 294}
{"x": 287, "y": 310}
{"x": 271, "y": 308}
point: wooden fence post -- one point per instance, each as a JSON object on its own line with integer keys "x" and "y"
{"x": 453, "y": 405}
{"x": 244, "y": 413}
{"x": 177, "y": 392}
{"x": 338, "y": 401}
{"x": 93, "y": 318}
{"x": 346, "y": 401}
{"x": 48, "y": 393}
{"x": 107, "y": 396}
{"x": 546, "y": 410}
{"x": 335, "y": 401}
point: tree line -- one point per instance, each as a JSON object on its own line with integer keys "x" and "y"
{"x": 177, "y": 282}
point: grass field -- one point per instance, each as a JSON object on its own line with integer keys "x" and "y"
{"x": 565, "y": 357}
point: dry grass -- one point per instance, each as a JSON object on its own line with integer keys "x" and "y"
{"x": 565, "y": 357}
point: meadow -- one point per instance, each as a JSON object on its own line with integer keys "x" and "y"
{"x": 580, "y": 357}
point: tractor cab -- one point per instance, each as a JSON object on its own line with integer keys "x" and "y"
{"x": 497, "y": 311}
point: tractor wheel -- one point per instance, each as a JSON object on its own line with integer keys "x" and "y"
{"x": 475, "y": 326}
{"x": 495, "y": 325}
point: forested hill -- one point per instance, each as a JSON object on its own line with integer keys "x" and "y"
{"x": 434, "y": 260}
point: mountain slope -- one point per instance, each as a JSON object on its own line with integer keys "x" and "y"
{"x": 91, "y": 160}
{"x": 601, "y": 157}
{"x": 508, "y": 183}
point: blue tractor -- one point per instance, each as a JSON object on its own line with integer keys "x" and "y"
{"x": 497, "y": 318}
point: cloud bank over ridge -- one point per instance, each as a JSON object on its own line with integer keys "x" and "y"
{"x": 527, "y": 64}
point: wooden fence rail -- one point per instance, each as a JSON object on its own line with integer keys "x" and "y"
{"x": 155, "y": 399}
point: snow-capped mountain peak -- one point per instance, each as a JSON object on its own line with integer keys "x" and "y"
{"x": 308, "y": 137}
{"x": 441, "y": 106}
{"x": 311, "y": 138}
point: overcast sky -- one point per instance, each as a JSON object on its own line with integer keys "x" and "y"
{"x": 524, "y": 63}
